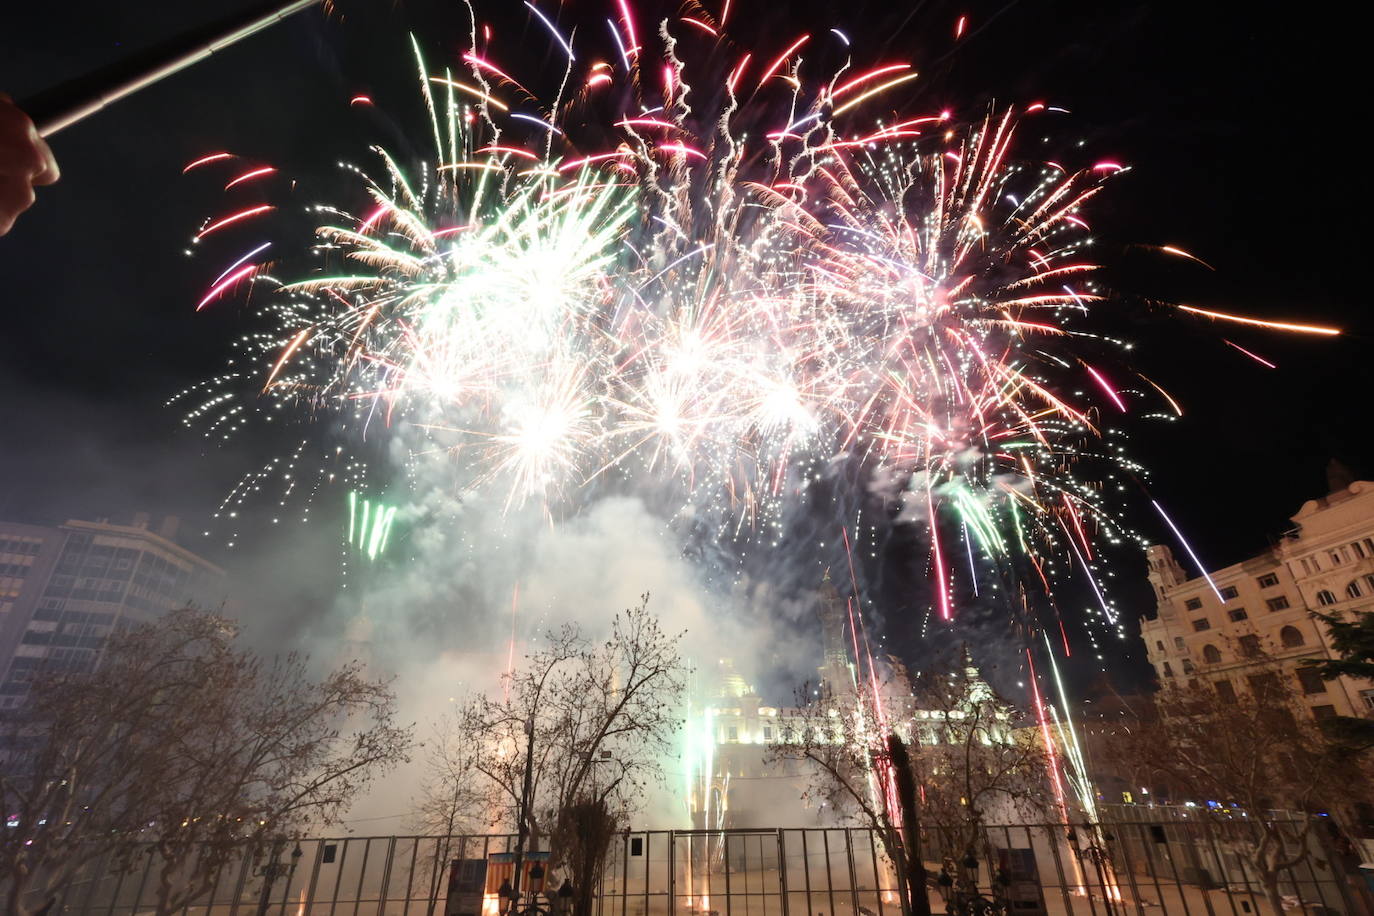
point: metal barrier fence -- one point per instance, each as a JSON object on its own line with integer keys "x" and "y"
{"x": 1120, "y": 869}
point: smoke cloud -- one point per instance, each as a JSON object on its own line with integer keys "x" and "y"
{"x": 468, "y": 575}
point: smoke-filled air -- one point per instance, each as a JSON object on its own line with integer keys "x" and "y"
{"x": 675, "y": 314}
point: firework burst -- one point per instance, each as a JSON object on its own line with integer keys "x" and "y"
{"x": 738, "y": 279}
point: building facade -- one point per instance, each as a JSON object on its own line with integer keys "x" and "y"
{"x": 732, "y": 779}
{"x": 64, "y": 589}
{"x": 1257, "y": 614}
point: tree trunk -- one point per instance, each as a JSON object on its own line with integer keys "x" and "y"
{"x": 18, "y": 888}
{"x": 583, "y": 834}
{"x": 911, "y": 871}
{"x": 1270, "y": 879}
{"x": 911, "y": 880}
{"x": 1267, "y": 857}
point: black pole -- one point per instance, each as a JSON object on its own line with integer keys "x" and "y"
{"x": 270, "y": 872}
{"x": 916, "y": 893}
{"x": 69, "y": 102}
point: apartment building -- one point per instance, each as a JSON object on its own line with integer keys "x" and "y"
{"x": 64, "y": 589}
{"x": 1257, "y": 614}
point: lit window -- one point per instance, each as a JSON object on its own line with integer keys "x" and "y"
{"x": 1229, "y": 592}
{"x": 1325, "y": 597}
{"x": 1193, "y": 604}
{"x": 1278, "y": 604}
{"x": 1268, "y": 580}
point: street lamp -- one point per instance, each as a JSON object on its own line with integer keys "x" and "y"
{"x": 276, "y": 869}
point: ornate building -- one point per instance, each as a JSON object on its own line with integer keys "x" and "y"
{"x": 1260, "y": 613}
{"x": 733, "y": 781}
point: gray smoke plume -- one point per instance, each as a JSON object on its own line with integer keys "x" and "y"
{"x": 468, "y": 575}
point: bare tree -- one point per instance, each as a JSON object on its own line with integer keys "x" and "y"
{"x": 212, "y": 754}
{"x": 454, "y": 799}
{"x": 82, "y": 756}
{"x": 594, "y": 718}
{"x": 452, "y": 802}
{"x": 964, "y": 757}
{"x": 838, "y": 740}
{"x": 588, "y": 828}
{"x": 974, "y": 767}
{"x": 272, "y": 752}
{"x": 1257, "y": 747}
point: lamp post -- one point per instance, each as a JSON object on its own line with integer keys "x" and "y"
{"x": 276, "y": 869}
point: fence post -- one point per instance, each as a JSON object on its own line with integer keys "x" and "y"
{"x": 1224, "y": 872}
{"x": 147, "y": 870}
{"x": 853, "y": 875}
{"x": 877, "y": 878}
{"x": 725, "y": 858}
{"x": 1355, "y": 905}
{"x": 1054, "y": 835}
{"x": 625, "y": 876}
{"x": 1108, "y": 836}
{"x": 410, "y": 878}
{"x": 782, "y": 869}
{"x": 238, "y": 886}
{"x": 314, "y": 874}
{"x": 99, "y": 876}
{"x": 829, "y": 872}
{"x": 386, "y": 876}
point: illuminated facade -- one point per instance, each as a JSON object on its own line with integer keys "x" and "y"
{"x": 731, "y": 782}
{"x": 65, "y": 589}
{"x": 1260, "y": 613}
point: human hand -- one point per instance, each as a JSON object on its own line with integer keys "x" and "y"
{"x": 25, "y": 162}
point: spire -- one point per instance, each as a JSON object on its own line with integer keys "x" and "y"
{"x": 834, "y": 669}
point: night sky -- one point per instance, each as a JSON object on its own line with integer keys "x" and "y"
{"x": 1242, "y": 131}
